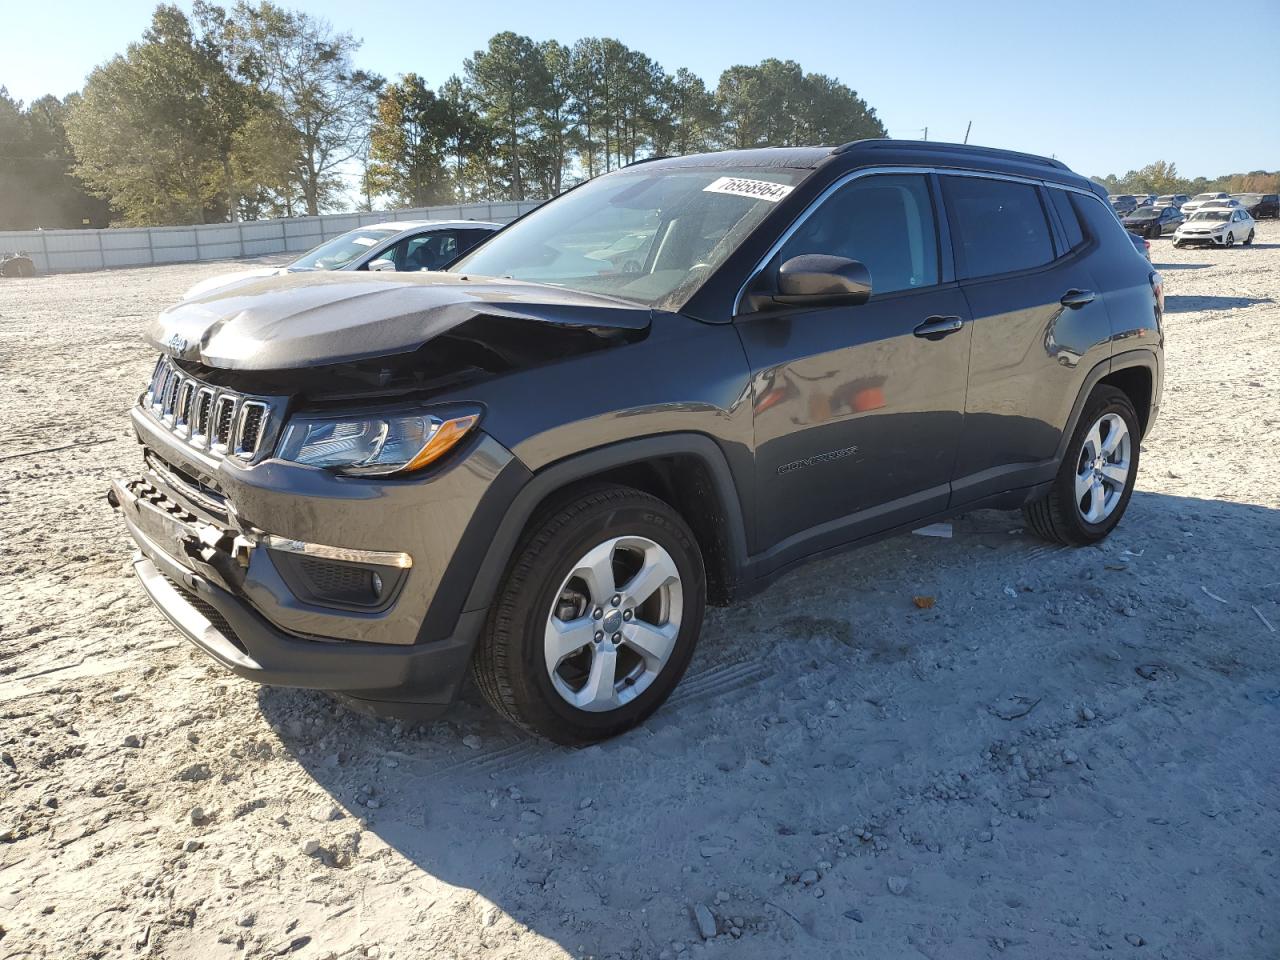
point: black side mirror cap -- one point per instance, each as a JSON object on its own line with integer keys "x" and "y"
{"x": 817, "y": 279}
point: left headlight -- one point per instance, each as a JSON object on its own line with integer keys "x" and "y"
{"x": 380, "y": 445}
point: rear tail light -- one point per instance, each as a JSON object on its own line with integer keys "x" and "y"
{"x": 1157, "y": 289}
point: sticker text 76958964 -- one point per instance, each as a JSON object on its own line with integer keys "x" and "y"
{"x": 743, "y": 187}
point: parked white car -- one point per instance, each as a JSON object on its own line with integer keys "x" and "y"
{"x": 1200, "y": 199}
{"x": 404, "y": 245}
{"x": 1219, "y": 227}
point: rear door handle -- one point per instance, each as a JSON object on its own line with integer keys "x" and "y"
{"x": 935, "y": 328}
{"x": 1075, "y": 299}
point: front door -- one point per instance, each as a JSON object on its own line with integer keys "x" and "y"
{"x": 857, "y": 408}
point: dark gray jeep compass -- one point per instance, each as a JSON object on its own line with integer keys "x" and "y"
{"x": 662, "y": 389}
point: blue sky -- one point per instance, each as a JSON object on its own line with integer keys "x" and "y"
{"x": 1076, "y": 80}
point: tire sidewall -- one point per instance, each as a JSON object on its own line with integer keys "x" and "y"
{"x": 548, "y": 572}
{"x": 1100, "y": 404}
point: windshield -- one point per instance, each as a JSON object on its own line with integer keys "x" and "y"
{"x": 1212, "y": 215}
{"x": 340, "y": 251}
{"x": 1144, "y": 213}
{"x": 652, "y": 236}
{"x": 1206, "y": 196}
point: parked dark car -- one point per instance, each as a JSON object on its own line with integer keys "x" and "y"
{"x": 17, "y": 265}
{"x": 1260, "y": 205}
{"x": 1123, "y": 204}
{"x": 540, "y": 467}
{"x": 1152, "y": 222}
{"x": 1171, "y": 200}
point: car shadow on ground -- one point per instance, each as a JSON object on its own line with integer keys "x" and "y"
{"x": 1181, "y": 303}
{"x": 544, "y": 833}
{"x": 1181, "y": 266}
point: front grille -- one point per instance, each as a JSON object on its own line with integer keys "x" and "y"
{"x": 220, "y": 421}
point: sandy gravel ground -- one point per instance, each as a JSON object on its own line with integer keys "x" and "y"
{"x": 1073, "y": 752}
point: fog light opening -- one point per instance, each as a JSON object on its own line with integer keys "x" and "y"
{"x": 377, "y": 585}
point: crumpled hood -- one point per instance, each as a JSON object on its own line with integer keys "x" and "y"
{"x": 308, "y": 319}
{"x": 227, "y": 280}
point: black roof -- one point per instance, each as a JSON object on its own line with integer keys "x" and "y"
{"x": 885, "y": 152}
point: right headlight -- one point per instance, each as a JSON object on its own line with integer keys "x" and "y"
{"x": 376, "y": 445}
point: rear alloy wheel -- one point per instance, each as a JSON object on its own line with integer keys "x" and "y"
{"x": 597, "y": 619}
{"x": 1096, "y": 478}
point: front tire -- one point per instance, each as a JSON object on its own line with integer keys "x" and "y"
{"x": 1097, "y": 475}
{"x": 597, "y": 618}
{"x": 1231, "y": 240}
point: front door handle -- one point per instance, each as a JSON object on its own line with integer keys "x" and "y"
{"x": 1075, "y": 299}
{"x": 935, "y": 328}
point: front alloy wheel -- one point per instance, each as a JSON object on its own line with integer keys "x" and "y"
{"x": 597, "y": 618}
{"x": 611, "y": 629}
{"x": 1231, "y": 240}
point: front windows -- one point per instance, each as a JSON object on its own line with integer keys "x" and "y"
{"x": 648, "y": 236}
{"x": 885, "y": 222}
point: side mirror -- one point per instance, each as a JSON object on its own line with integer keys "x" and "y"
{"x": 816, "y": 279}
{"x": 379, "y": 266}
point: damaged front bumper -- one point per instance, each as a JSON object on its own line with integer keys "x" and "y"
{"x": 283, "y": 573}
{"x": 201, "y": 594}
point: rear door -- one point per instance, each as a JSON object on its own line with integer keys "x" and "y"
{"x": 858, "y": 408}
{"x": 1039, "y": 325}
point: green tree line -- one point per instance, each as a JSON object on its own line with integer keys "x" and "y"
{"x": 256, "y": 110}
{"x": 1162, "y": 177}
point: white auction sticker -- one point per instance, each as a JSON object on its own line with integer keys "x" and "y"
{"x": 364, "y": 241}
{"x": 742, "y": 187}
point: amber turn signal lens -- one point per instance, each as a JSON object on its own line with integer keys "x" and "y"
{"x": 442, "y": 441}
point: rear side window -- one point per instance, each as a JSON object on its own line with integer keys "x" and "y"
{"x": 997, "y": 226}
{"x": 884, "y": 221}
{"x": 1067, "y": 217}
{"x": 1099, "y": 222}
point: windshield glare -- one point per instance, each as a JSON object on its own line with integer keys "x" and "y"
{"x": 652, "y": 236}
{"x": 1212, "y": 215}
{"x": 340, "y": 251}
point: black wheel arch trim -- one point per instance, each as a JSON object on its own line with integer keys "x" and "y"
{"x": 495, "y": 549}
{"x": 1141, "y": 357}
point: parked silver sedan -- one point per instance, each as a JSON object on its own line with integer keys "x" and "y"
{"x": 405, "y": 245}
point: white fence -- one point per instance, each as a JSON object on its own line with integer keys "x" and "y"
{"x": 60, "y": 251}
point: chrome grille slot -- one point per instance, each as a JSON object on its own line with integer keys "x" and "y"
{"x": 253, "y": 418}
{"x": 182, "y": 412}
{"x": 203, "y": 416}
{"x": 224, "y": 411}
{"x": 170, "y": 396}
{"x": 219, "y": 421}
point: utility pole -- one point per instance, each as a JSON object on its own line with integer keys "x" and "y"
{"x": 926, "y": 133}
{"x": 966, "y": 131}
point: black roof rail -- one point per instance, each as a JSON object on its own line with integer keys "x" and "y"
{"x": 636, "y": 163}
{"x": 936, "y": 145}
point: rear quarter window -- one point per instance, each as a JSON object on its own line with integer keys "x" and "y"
{"x": 1099, "y": 223}
{"x": 1067, "y": 217}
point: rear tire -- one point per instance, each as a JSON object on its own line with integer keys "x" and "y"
{"x": 1089, "y": 496}
{"x": 1248, "y": 241}
{"x": 580, "y": 645}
